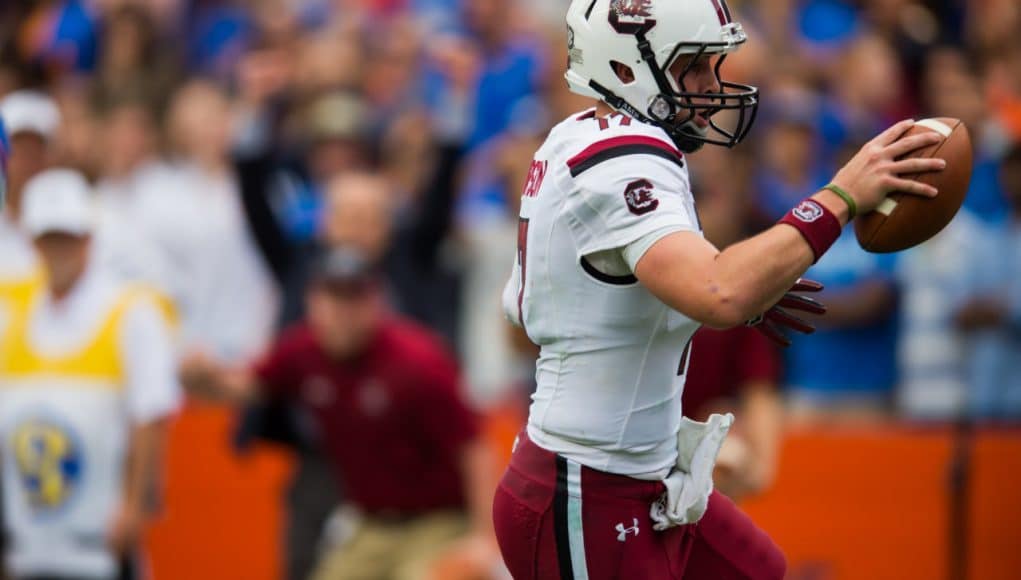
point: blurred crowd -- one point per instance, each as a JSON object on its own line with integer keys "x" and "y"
{"x": 228, "y": 143}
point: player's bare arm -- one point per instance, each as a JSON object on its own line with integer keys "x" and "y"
{"x": 748, "y": 278}
{"x": 145, "y": 456}
{"x": 207, "y": 379}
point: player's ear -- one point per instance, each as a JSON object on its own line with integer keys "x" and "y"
{"x": 623, "y": 72}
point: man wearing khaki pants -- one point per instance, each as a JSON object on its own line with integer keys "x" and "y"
{"x": 384, "y": 397}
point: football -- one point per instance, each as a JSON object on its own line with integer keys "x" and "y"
{"x": 902, "y": 220}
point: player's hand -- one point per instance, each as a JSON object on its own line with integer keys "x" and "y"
{"x": 263, "y": 74}
{"x": 979, "y": 313}
{"x": 471, "y": 557}
{"x": 773, "y": 321}
{"x": 876, "y": 171}
{"x": 126, "y": 529}
{"x": 197, "y": 373}
{"x": 730, "y": 474}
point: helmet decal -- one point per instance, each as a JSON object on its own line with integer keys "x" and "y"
{"x": 631, "y": 16}
{"x": 574, "y": 54}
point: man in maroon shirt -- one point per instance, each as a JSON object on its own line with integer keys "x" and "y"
{"x": 737, "y": 370}
{"x": 384, "y": 397}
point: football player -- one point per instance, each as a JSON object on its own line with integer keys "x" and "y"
{"x": 613, "y": 277}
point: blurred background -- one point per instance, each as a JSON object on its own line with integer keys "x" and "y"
{"x": 226, "y": 142}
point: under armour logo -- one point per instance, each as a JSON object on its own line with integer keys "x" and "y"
{"x": 623, "y": 532}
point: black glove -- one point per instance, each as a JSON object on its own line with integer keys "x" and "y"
{"x": 776, "y": 318}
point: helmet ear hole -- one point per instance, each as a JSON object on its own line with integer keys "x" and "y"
{"x": 623, "y": 72}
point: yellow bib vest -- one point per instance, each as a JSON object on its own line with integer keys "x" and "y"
{"x": 64, "y": 434}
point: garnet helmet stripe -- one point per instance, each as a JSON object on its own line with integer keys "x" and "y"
{"x": 726, "y": 11}
{"x": 721, "y": 11}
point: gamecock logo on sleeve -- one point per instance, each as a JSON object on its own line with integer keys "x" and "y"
{"x": 639, "y": 198}
{"x": 631, "y": 16}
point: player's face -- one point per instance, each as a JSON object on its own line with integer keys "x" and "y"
{"x": 697, "y": 75}
{"x": 344, "y": 316}
{"x": 64, "y": 257}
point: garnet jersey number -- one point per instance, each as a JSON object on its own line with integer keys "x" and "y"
{"x": 522, "y": 254}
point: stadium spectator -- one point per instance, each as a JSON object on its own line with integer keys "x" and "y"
{"x": 1004, "y": 81}
{"x": 332, "y": 59}
{"x": 992, "y": 25}
{"x": 285, "y": 151}
{"x": 217, "y": 34}
{"x": 405, "y": 232}
{"x": 132, "y": 193}
{"x": 494, "y": 74}
{"x": 335, "y": 132}
{"x": 88, "y": 369}
{"x": 991, "y": 317}
{"x": 861, "y": 292}
{"x": 954, "y": 89}
{"x": 58, "y": 35}
{"x": 824, "y": 375}
{"x": 227, "y": 298}
{"x": 130, "y": 60}
{"x": 792, "y": 161}
{"x": 359, "y": 213}
{"x": 936, "y": 280}
{"x": 32, "y": 120}
{"x": 384, "y": 395}
{"x": 510, "y": 67}
{"x": 399, "y": 220}
{"x": 824, "y": 27}
{"x": 866, "y": 92}
{"x": 75, "y": 143}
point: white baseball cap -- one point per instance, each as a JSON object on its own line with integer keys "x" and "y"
{"x": 30, "y": 112}
{"x": 58, "y": 201}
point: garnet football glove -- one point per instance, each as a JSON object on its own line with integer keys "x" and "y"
{"x": 773, "y": 320}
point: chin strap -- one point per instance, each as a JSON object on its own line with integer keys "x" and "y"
{"x": 684, "y": 142}
{"x": 618, "y": 103}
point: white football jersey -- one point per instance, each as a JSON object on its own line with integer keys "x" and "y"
{"x": 609, "y": 377}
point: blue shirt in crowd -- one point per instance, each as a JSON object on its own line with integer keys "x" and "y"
{"x": 994, "y": 364}
{"x": 504, "y": 96}
{"x": 834, "y": 363}
{"x": 985, "y": 195}
{"x": 71, "y": 38}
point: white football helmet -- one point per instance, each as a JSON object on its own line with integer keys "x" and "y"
{"x": 648, "y": 36}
